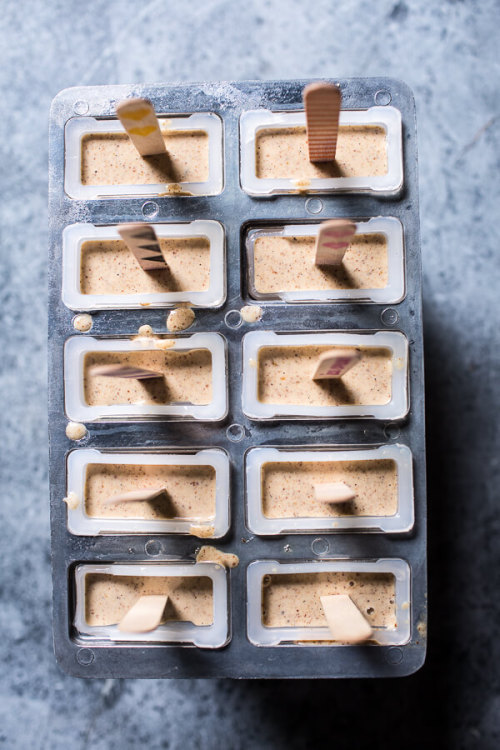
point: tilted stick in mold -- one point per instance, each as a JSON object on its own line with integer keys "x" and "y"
{"x": 335, "y": 363}
{"x": 142, "y": 241}
{"x": 333, "y": 239}
{"x": 136, "y": 496}
{"x": 124, "y": 371}
{"x": 333, "y": 492}
{"x": 145, "y": 615}
{"x": 139, "y": 120}
{"x": 322, "y": 104}
{"x": 345, "y": 621}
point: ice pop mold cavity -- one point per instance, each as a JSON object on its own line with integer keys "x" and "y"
{"x": 280, "y": 484}
{"x": 186, "y": 585}
{"x": 100, "y": 161}
{"x": 278, "y": 369}
{"x": 99, "y": 272}
{"x": 216, "y": 464}
{"x": 197, "y": 492}
{"x": 369, "y": 154}
{"x": 381, "y": 589}
{"x": 280, "y": 264}
{"x": 192, "y": 383}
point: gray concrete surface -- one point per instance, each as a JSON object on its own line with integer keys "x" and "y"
{"x": 448, "y": 53}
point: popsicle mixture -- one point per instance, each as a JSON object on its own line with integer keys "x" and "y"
{"x": 108, "y": 267}
{"x": 112, "y": 159}
{"x": 286, "y": 264}
{"x": 283, "y": 153}
{"x": 288, "y": 488}
{"x": 285, "y": 377}
{"x": 293, "y": 600}
{"x": 190, "y": 491}
{"x": 185, "y": 376}
{"x": 109, "y": 597}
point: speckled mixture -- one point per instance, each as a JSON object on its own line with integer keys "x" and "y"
{"x": 112, "y": 159}
{"x": 109, "y": 597}
{"x": 187, "y": 376}
{"x": 180, "y": 319}
{"x": 190, "y": 491}
{"x": 286, "y": 264}
{"x": 294, "y": 600}
{"x": 282, "y": 153}
{"x": 285, "y": 377}
{"x": 75, "y": 430}
{"x": 212, "y": 554}
{"x": 288, "y": 488}
{"x": 108, "y": 267}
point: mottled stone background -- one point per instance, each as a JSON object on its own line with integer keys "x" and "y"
{"x": 448, "y": 53}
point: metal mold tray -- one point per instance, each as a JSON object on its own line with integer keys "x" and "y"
{"x": 236, "y": 434}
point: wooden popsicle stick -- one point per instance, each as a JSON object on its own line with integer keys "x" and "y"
{"x": 142, "y": 241}
{"x": 136, "y": 496}
{"x": 345, "y": 621}
{"x": 139, "y": 120}
{"x": 124, "y": 371}
{"x": 333, "y": 492}
{"x": 332, "y": 241}
{"x": 145, "y": 615}
{"x": 322, "y": 103}
{"x": 335, "y": 363}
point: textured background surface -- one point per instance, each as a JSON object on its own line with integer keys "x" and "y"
{"x": 448, "y": 53}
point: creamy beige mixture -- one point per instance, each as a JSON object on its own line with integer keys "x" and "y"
{"x": 112, "y": 159}
{"x": 108, "y": 267}
{"x": 251, "y": 313}
{"x": 180, "y": 319}
{"x": 285, "y": 377}
{"x": 282, "y": 153}
{"x": 190, "y": 491}
{"x": 212, "y": 554}
{"x": 108, "y": 598}
{"x": 82, "y": 322}
{"x": 75, "y": 430}
{"x": 186, "y": 376}
{"x": 288, "y": 488}
{"x": 286, "y": 264}
{"x": 294, "y": 600}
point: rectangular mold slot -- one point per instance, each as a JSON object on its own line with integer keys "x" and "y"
{"x": 392, "y": 293}
{"x": 81, "y": 523}
{"x": 269, "y": 525}
{"x": 77, "y": 408}
{"x": 214, "y": 635}
{"x": 77, "y": 128}
{"x": 389, "y": 184}
{"x": 76, "y": 235}
{"x": 395, "y": 342}
{"x": 386, "y": 635}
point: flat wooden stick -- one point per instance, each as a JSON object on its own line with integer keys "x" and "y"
{"x": 136, "y": 496}
{"x": 322, "y": 103}
{"x": 345, "y": 621}
{"x": 335, "y": 363}
{"x": 124, "y": 371}
{"x": 332, "y": 241}
{"x": 145, "y": 615}
{"x": 139, "y": 120}
{"x": 333, "y": 492}
{"x": 142, "y": 241}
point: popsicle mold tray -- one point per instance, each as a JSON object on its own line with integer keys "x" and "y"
{"x": 235, "y": 432}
